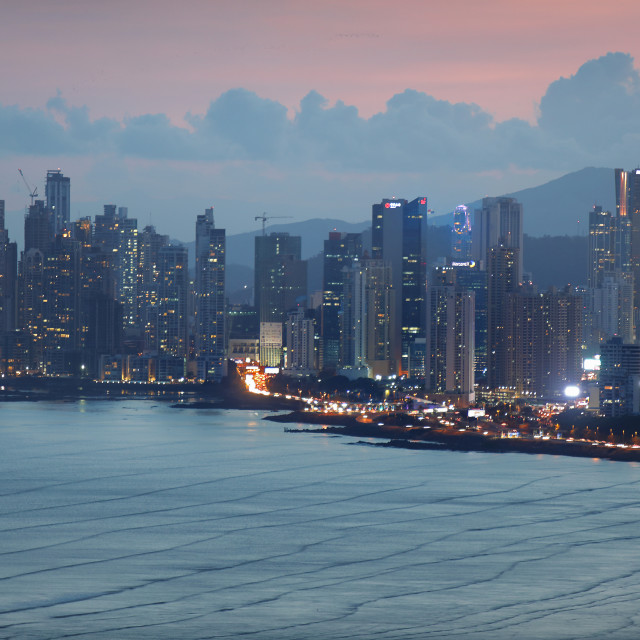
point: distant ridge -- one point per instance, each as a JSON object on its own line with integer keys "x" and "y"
{"x": 554, "y": 208}
{"x": 550, "y": 209}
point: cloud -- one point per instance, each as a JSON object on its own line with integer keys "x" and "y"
{"x": 597, "y": 108}
{"x": 31, "y": 131}
{"x": 245, "y": 125}
{"x": 588, "y": 118}
{"x": 154, "y": 137}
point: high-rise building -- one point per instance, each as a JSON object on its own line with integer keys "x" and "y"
{"x": 545, "y": 349}
{"x": 116, "y": 234}
{"x": 503, "y": 267}
{"x": 450, "y": 337}
{"x": 149, "y": 245}
{"x": 369, "y": 305}
{"x": 563, "y": 333}
{"x": 172, "y": 319}
{"x": 619, "y": 378}
{"x": 271, "y": 344}
{"x": 399, "y": 232}
{"x": 300, "y": 343}
{"x": 82, "y": 231}
{"x": 8, "y": 277}
{"x": 527, "y": 346}
{"x": 280, "y": 276}
{"x": 31, "y": 312}
{"x": 127, "y": 269}
{"x": 498, "y": 223}
{"x": 100, "y": 311}
{"x": 461, "y": 235}
{"x": 469, "y": 277}
{"x": 37, "y": 227}
{"x": 627, "y": 185}
{"x": 61, "y": 307}
{"x": 602, "y": 246}
{"x": 611, "y": 303}
{"x": 610, "y": 311}
{"x": 58, "y": 195}
{"x": 340, "y": 250}
{"x": 210, "y": 300}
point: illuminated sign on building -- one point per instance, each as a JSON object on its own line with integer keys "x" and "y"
{"x": 392, "y": 205}
{"x": 423, "y": 201}
{"x": 468, "y": 263}
{"x": 591, "y": 364}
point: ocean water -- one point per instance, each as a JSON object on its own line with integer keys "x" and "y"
{"x": 129, "y": 519}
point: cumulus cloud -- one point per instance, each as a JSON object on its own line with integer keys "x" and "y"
{"x": 31, "y": 131}
{"x": 597, "y": 107}
{"x": 240, "y": 125}
{"x": 153, "y": 136}
{"x": 588, "y": 118}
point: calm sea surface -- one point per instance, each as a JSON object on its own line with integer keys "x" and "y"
{"x": 129, "y": 519}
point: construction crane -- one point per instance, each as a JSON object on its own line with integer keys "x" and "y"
{"x": 34, "y": 193}
{"x": 264, "y": 217}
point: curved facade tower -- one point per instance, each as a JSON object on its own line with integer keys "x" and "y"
{"x": 461, "y": 234}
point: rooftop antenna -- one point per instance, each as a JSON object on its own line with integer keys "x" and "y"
{"x": 34, "y": 193}
{"x": 264, "y": 217}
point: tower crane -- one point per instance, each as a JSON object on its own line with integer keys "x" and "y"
{"x": 34, "y": 193}
{"x": 264, "y": 217}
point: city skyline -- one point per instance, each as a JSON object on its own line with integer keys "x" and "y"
{"x": 409, "y": 230}
{"x": 311, "y": 111}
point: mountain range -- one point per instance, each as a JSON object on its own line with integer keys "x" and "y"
{"x": 557, "y": 208}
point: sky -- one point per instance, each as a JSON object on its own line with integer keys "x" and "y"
{"x": 309, "y": 109}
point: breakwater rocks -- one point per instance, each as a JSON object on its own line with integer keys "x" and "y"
{"x": 438, "y": 439}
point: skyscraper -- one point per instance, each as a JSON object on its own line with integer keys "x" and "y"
{"x": 469, "y": 277}
{"x": 37, "y": 227}
{"x": 300, "y": 342}
{"x": 340, "y": 250}
{"x": 369, "y": 305}
{"x": 173, "y": 290}
{"x": 602, "y": 245}
{"x": 8, "y": 277}
{"x": 210, "y": 302}
{"x": 100, "y": 312}
{"x": 449, "y": 359}
{"x": 61, "y": 306}
{"x": 503, "y": 266}
{"x": 461, "y": 235}
{"x": 611, "y": 299}
{"x": 399, "y": 232}
{"x": 58, "y": 195}
{"x": 31, "y": 312}
{"x": 127, "y": 269}
{"x": 280, "y": 276}
{"x": 498, "y": 223}
{"x": 117, "y": 235}
{"x": 619, "y": 378}
{"x": 627, "y": 185}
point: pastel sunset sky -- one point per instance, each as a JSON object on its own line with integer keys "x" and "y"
{"x": 310, "y": 109}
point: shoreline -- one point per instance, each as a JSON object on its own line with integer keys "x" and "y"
{"x": 186, "y": 395}
{"x": 435, "y": 439}
{"x": 220, "y": 396}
